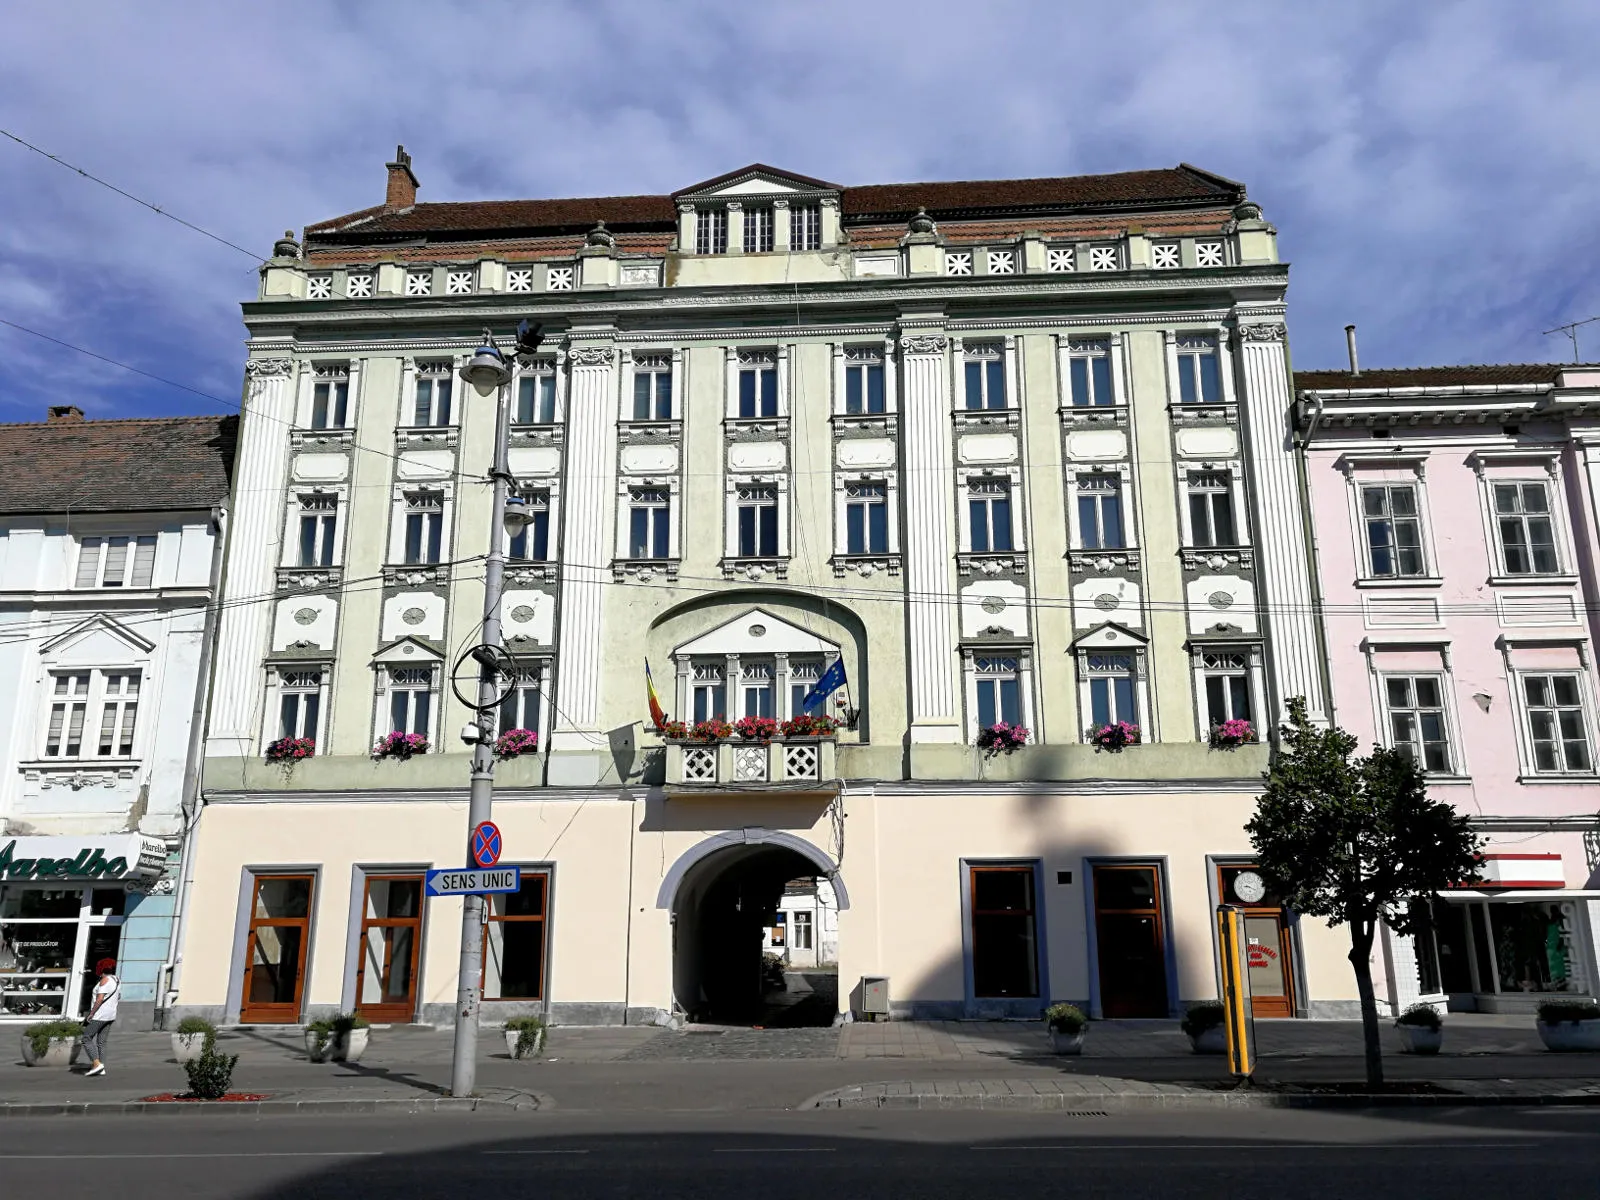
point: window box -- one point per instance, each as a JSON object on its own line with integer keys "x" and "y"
{"x": 1001, "y": 738}
{"x": 514, "y": 743}
{"x": 400, "y": 745}
{"x": 290, "y": 750}
{"x": 1115, "y": 736}
{"x": 785, "y": 763}
{"x": 1232, "y": 734}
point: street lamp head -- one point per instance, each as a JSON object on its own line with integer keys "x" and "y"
{"x": 487, "y": 367}
{"x": 518, "y": 514}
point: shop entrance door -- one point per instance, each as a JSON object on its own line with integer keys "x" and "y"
{"x": 1130, "y": 941}
{"x": 275, "y": 959}
{"x": 1268, "y": 940}
{"x": 391, "y": 933}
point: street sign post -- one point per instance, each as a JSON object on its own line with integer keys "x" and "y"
{"x": 473, "y": 881}
{"x": 1237, "y": 1019}
{"x": 486, "y": 843}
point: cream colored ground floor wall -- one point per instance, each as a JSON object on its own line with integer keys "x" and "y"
{"x": 900, "y": 859}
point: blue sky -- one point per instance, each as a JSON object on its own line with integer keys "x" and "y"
{"x": 1433, "y": 168}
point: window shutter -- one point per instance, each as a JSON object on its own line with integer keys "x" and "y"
{"x": 144, "y": 562}
{"x": 88, "y": 563}
{"x": 116, "y": 571}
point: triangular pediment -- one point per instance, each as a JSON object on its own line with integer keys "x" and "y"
{"x": 96, "y": 639}
{"x": 757, "y": 632}
{"x": 1110, "y": 636}
{"x": 757, "y": 179}
{"x": 406, "y": 652}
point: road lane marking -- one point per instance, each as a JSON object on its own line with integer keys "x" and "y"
{"x": 210, "y": 1154}
{"x": 774, "y": 1150}
{"x": 533, "y": 1152}
{"x": 1231, "y": 1147}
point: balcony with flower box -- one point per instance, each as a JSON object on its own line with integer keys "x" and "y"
{"x": 753, "y": 754}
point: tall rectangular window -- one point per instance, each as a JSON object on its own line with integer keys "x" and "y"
{"x": 1527, "y": 538}
{"x": 119, "y": 709}
{"x": 299, "y": 703}
{"x": 989, "y": 506}
{"x": 330, "y": 403}
{"x": 410, "y": 699}
{"x": 652, "y": 388}
{"x": 114, "y": 562}
{"x": 758, "y": 522}
{"x": 1227, "y": 684}
{"x": 1112, "y": 694}
{"x": 69, "y": 703}
{"x": 1416, "y": 719}
{"x": 520, "y": 708}
{"x": 1211, "y": 509}
{"x": 866, "y": 518}
{"x": 536, "y": 400}
{"x": 805, "y": 227}
{"x": 532, "y": 541}
{"x": 319, "y": 522}
{"x": 1100, "y": 512}
{"x": 803, "y": 676}
{"x": 756, "y": 688}
{"x": 432, "y": 404}
{"x": 758, "y": 386}
{"x": 985, "y": 378}
{"x": 1089, "y": 371}
{"x": 1556, "y": 723}
{"x": 1199, "y": 376}
{"x": 757, "y": 230}
{"x": 999, "y": 692}
{"x": 711, "y": 231}
{"x": 1005, "y": 940}
{"x": 863, "y": 383}
{"x": 648, "y": 528}
{"x": 424, "y": 527}
{"x": 514, "y": 949}
{"x": 1394, "y": 529}
{"x": 710, "y": 692}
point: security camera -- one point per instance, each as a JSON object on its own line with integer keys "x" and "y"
{"x": 471, "y": 734}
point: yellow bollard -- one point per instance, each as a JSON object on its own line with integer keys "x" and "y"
{"x": 1237, "y": 1018}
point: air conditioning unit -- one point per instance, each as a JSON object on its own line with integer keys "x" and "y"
{"x": 872, "y": 996}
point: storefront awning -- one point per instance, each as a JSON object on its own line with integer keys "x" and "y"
{"x": 1463, "y": 895}
{"x": 123, "y": 857}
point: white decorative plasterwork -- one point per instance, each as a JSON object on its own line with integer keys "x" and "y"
{"x": 865, "y": 566}
{"x": 1263, "y": 332}
{"x": 1061, "y": 259}
{"x": 1217, "y": 560}
{"x": 922, "y": 344}
{"x": 319, "y": 287}
{"x": 258, "y": 367}
{"x": 1103, "y": 561}
{"x": 591, "y": 356}
{"x": 560, "y": 279}
{"x": 519, "y": 279}
{"x": 358, "y": 287}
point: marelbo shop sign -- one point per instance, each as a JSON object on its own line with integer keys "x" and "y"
{"x": 122, "y": 857}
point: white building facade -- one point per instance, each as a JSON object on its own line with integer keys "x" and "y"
{"x": 1014, "y": 453}
{"x": 109, "y": 550}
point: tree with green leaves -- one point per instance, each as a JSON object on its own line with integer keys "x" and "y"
{"x": 1357, "y": 841}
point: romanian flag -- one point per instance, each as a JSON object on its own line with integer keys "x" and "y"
{"x": 658, "y": 715}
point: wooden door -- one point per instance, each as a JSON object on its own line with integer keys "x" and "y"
{"x": 275, "y": 961}
{"x": 391, "y": 938}
{"x": 1130, "y": 938}
{"x": 1269, "y": 941}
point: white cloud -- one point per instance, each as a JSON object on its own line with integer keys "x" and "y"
{"x": 1431, "y": 168}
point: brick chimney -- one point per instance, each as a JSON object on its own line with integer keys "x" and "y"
{"x": 402, "y": 183}
{"x": 63, "y": 412}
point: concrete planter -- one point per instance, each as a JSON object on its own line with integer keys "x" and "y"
{"x": 1066, "y": 1043}
{"x": 514, "y": 1037}
{"x": 1419, "y": 1039}
{"x": 1570, "y": 1035}
{"x": 61, "y": 1052}
{"x": 1209, "y": 1041}
{"x": 186, "y": 1047}
{"x": 351, "y": 1046}
{"x": 319, "y": 1047}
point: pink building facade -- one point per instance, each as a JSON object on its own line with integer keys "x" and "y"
{"x": 1454, "y": 515}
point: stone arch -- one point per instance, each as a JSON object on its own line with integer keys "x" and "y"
{"x": 753, "y": 836}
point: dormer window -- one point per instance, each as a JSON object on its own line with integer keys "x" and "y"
{"x": 805, "y": 227}
{"x": 711, "y": 231}
{"x": 757, "y": 230}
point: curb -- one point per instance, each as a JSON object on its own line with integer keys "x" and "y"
{"x": 1088, "y": 1103}
{"x": 101, "y": 1108}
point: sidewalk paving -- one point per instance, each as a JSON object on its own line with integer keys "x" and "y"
{"x": 649, "y": 1068}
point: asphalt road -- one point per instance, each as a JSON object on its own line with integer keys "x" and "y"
{"x": 1419, "y": 1154}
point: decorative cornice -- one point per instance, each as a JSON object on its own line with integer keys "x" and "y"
{"x": 591, "y": 356}
{"x": 923, "y": 344}
{"x": 258, "y": 367}
{"x": 1262, "y": 333}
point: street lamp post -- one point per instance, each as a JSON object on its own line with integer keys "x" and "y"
{"x": 487, "y": 368}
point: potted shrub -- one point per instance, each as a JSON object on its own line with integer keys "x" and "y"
{"x": 1115, "y": 736}
{"x": 191, "y": 1038}
{"x": 351, "y": 1033}
{"x": 51, "y": 1043}
{"x": 290, "y": 750}
{"x": 1232, "y": 733}
{"x": 319, "y": 1039}
{"x": 1202, "y": 1023}
{"x": 400, "y": 745}
{"x": 1421, "y": 1029}
{"x": 756, "y": 729}
{"x": 1001, "y": 738}
{"x": 1570, "y": 1024}
{"x": 525, "y": 1037}
{"x": 514, "y": 743}
{"x": 809, "y": 725}
{"x": 1066, "y": 1023}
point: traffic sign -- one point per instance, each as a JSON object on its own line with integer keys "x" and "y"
{"x": 469, "y": 881}
{"x": 486, "y": 843}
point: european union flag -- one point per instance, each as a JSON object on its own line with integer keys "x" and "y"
{"x": 831, "y": 681}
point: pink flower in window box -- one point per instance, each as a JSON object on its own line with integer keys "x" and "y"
{"x": 400, "y": 745}
{"x": 1001, "y": 738}
{"x": 756, "y": 729}
{"x": 514, "y": 743}
{"x": 1115, "y": 736}
{"x": 810, "y": 725}
{"x": 291, "y": 749}
{"x": 1231, "y": 733}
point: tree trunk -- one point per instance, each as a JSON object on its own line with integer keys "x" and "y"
{"x": 1361, "y": 935}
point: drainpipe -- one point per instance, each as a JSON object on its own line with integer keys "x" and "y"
{"x": 193, "y": 803}
{"x": 1350, "y": 344}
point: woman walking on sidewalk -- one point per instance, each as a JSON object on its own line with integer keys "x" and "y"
{"x": 102, "y": 1012}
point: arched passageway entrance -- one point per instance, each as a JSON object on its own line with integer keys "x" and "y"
{"x": 724, "y": 896}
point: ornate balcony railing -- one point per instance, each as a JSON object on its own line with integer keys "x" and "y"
{"x": 729, "y": 764}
